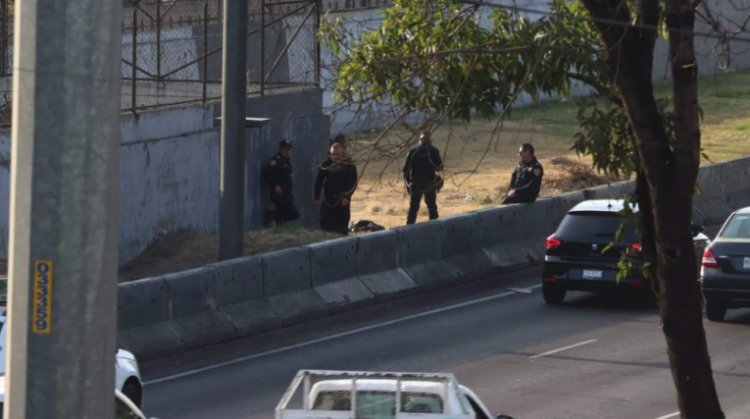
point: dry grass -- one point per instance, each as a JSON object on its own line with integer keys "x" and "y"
{"x": 469, "y": 185}
{"x": 185, "y": 249}
{"x": 550, "y": 126}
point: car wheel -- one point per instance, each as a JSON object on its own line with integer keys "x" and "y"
{"x": 132, "y": 390}
{"x": 553, "y": 294}
{"x": 715, "y": 311}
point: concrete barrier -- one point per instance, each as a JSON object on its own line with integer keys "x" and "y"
{"x": 194, "y": 313}
{"x": 616, "y": 190}
{"x": 459, "y": 235}
{"x": 535, "y": 222}
{"x": 333, "y": 272}
{"x": 287, "y": 286}
{"x": 501, "y": 239}
{"x": 170, "y": 314}
{"x": 378, "y": 267}
{"x": 240, "y": 297}
{"x": 420, "y": 254}
{"x": 143, "y": 319}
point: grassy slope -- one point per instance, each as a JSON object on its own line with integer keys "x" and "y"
{"x": 725, "y": 100}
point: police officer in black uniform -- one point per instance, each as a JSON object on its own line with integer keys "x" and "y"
{"x": 278, "y": 176}
{"x": 337, "y": 178}
{"x": 527, "y": 178}
{"x": 421, "y": 179}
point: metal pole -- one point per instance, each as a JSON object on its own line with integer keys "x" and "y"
{"x": 318, "y": 7}
{"x": 262, "y": 47}
{"x": 63, "y": 210}
{"x": 233, "y": 97}
{"x": 4, "y": 38}
{"x": 205, "y": 49}
{"x": 158, "y": 40}
{"x": 134, "y": 58}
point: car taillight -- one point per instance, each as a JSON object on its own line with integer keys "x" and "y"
{"x": 636, "y": 246}
{"x": 709, "y": 260}
{"x": 636, "y": 283}
{"x": 553, "y": 242}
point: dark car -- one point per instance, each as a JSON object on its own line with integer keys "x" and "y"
{"x": 725, "y": 268}
{"x": 583, "y": 253}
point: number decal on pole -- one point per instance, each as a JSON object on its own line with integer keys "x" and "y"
{"x": 41, "y": 316}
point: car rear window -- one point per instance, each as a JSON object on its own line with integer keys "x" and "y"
{"x": 595, "y": 227}
{"x": 738, "y": 227}
{"x": 379, "y": 404}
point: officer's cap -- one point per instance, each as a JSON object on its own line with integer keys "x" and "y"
{"x": 285, "y": 144}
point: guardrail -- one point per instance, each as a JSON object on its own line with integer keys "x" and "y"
{"x": 227, "y": 300}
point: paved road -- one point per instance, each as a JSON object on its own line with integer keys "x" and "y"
{"x": 593, "y": 357}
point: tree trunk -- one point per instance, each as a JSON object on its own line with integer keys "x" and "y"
{"x": 666, "y": 181}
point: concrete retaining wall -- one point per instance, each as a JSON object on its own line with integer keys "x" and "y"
{"x": 219, "y": 302}
{"x": 170, "y": 160}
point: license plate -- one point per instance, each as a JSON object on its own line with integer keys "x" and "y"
{"x": 591, "y": 274}
{"x": 746, "y": 263}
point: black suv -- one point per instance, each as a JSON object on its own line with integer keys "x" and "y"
{"x": 576, "y": 259}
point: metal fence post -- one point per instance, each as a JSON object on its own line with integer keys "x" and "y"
{"x": 4, "y": 38}
{"x": 158, "y": 40}
{"x": 262, "y": 47}
{"x": 317, "y": 44}
{"x": 134, "y": 58}
{"x": 205, "y": 49}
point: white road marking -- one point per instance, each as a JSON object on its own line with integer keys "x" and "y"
{"x": 671, "y": 415}
{"x": 520, "y": 290}
{"x": 333, "y": 336}
{"x": 564, "y": 348}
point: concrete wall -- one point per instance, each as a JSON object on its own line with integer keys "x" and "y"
{"x": 223, "y": 301}
{"x": 170, "y": 166}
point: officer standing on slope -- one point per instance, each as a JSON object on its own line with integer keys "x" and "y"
{"x": 277, "y": 174}
{"x": 337, "y": 178}
{"x": 421, "y": 179}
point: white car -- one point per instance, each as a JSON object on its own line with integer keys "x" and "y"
{"x": 127, "y": 373}
{"x": 124, "y": 407}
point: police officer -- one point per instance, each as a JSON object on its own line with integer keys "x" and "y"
{"x": 278, "y": 176}
{"x": 342, "y": 141}
{"x": 421, "y": 179}
{"x": 527, "y": 178}
{"x": 337, "y": 177}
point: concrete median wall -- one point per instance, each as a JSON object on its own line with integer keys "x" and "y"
{"x": 241, "y": 297}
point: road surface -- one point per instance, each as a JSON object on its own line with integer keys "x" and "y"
{"x": 593, "y": 357}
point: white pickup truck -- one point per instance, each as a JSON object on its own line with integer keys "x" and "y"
{"x": 379, "y": 395}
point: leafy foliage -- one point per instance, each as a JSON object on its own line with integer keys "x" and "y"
{"x": 608, "y": 137}
{"x": 437, "y": 57}
{"x": 442, "y": 58}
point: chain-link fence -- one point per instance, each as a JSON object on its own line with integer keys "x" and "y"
{"x": 6, "y": 60}
{"x": 172, "y": 50}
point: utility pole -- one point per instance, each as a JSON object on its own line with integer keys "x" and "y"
{"x": 63, "y": 209}
{"x": 233, "y": 97}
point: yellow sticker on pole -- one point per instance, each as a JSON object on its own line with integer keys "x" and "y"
{"x": 41, "y": 315}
